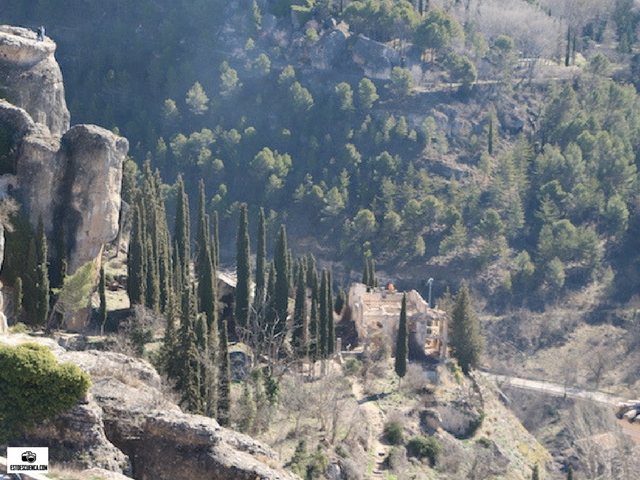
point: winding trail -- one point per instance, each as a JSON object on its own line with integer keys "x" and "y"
{"x": 375, "y": 422}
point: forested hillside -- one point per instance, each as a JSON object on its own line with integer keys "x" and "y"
{"x": 478, "y": 159}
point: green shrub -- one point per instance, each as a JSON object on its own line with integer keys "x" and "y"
{"x": 422, "y": 447}
{"x": 352, "y": 366}
{"x": 475, "y": 424}
{"x": 35, "y": 387}
{"x": 393, "y": 433}
{"x": 19, "y": 328}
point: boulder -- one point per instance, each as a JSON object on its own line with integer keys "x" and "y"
{"x": 328, "y": 50}
{"x": 376, "y": 58}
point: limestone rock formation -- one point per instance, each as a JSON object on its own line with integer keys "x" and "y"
{"x": 328, "y": 50}
{"x": 68, "y": 177}
{"x": 30, "y": 77}
{"x": 127, "y": 425}
{"x": 376, "y": 58}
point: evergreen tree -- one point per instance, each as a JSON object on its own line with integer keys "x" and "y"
{"x": 224, "y": 378}
{"x": 464, "y": 333}
{"x": 212, "y": 353}
{"x": 215, "y": 241}
{"x": 170, "y": 352}
{"x": 323, "y": 327}
{"x": 243, "y": 269}
{"x": 189, "y": 379}
{"x": 314, "y": 330}
{"x": 535, "y": 474}
{"x": 182, "y": 235}
{"x": 402, "y": 342}
{"x": 331, "y": 329}
{"x": 42, "y": 276}
{"x": 18, "y": 296}
{"x": 569, "y": 472}
{"x": 205, "y": 270}
{"x": 300, "y": 333}
{"x": 281, "y": 293}
{"x": 102, "y": 311}
{"x": 261, "y": 259}
{"x": 136, "y": 275}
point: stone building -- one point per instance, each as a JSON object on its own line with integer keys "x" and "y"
{"x": 378, "y": 310}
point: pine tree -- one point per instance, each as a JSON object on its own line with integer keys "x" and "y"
{"x": 281, "y": 293}
{"x": 402, "y": 342}
{"x": 102, "y": 312}
{"x": 243, "y": 269}
{"x": 464, "y": 335}
{"x": 224, "y": 378}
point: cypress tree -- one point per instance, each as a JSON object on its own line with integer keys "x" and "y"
{"x": 323, "y": 333}
{"x": 215, "y": 244}
{"x": 261, "y": 259}
{"x": 152, "y": 293}
{"x": 211, "y": 370}
{"x": 314, "y": 333}
{"x": 331, "y": 329}
{"x": 162, "y": 240}
{"x": 136, "y": 275}
{"x": 402, "y": 342}
{"x": 464, "y": 333}
{"x": 204, "y": 265}
{"x": 535, "y": 474}
{"x": 189, "y": 378}
{"x": 224, "y": 378}
{"x": 102, "y": 312}
{"x": 569, "y": 472}
{"x": 270, "y": 311}
{"x": 31, "y": 282}
{"x": 17, "y": 296}
{"x": 182, "y": 235}
{"x": 300, "y": 334}
{"x": 281, "y": 294}
{"x": 243, "y": 269}
{"x": 170, "y": 354}
{"x": 42, "y": 276}
{"x": 365, "y": 273}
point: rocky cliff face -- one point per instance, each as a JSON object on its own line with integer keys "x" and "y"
{"x": 127, "y": 425}
{"x": 69, "y": 177}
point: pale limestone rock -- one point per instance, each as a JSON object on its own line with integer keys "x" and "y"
{"x": 31, "y": 78}
{"x": 93, "y": 158}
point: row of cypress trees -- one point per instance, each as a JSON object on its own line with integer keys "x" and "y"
{"x": 265, "y": 323}
{"x": 195, "y": 349}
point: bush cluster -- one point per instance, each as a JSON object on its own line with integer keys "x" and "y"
{"x": 35, "y": 387}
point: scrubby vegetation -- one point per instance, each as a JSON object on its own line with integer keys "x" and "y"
{"x": 35, "y": 387}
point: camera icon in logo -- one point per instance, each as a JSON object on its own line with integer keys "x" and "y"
{"x": 28, "y": 457}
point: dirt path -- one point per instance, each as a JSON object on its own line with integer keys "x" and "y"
{"x": 375, "y": 421}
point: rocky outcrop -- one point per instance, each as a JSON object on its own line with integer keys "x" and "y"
{"x": 376, "y": 58}
{"x": 93, "y": 159}
{"x": 30, "y": 77}
{"x": 328, "y": 50}
{"x": 68, "y": 177}
{"x": 127, "y": 425}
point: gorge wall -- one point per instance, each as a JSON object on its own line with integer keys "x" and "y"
{"x": 69, "y": 177}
